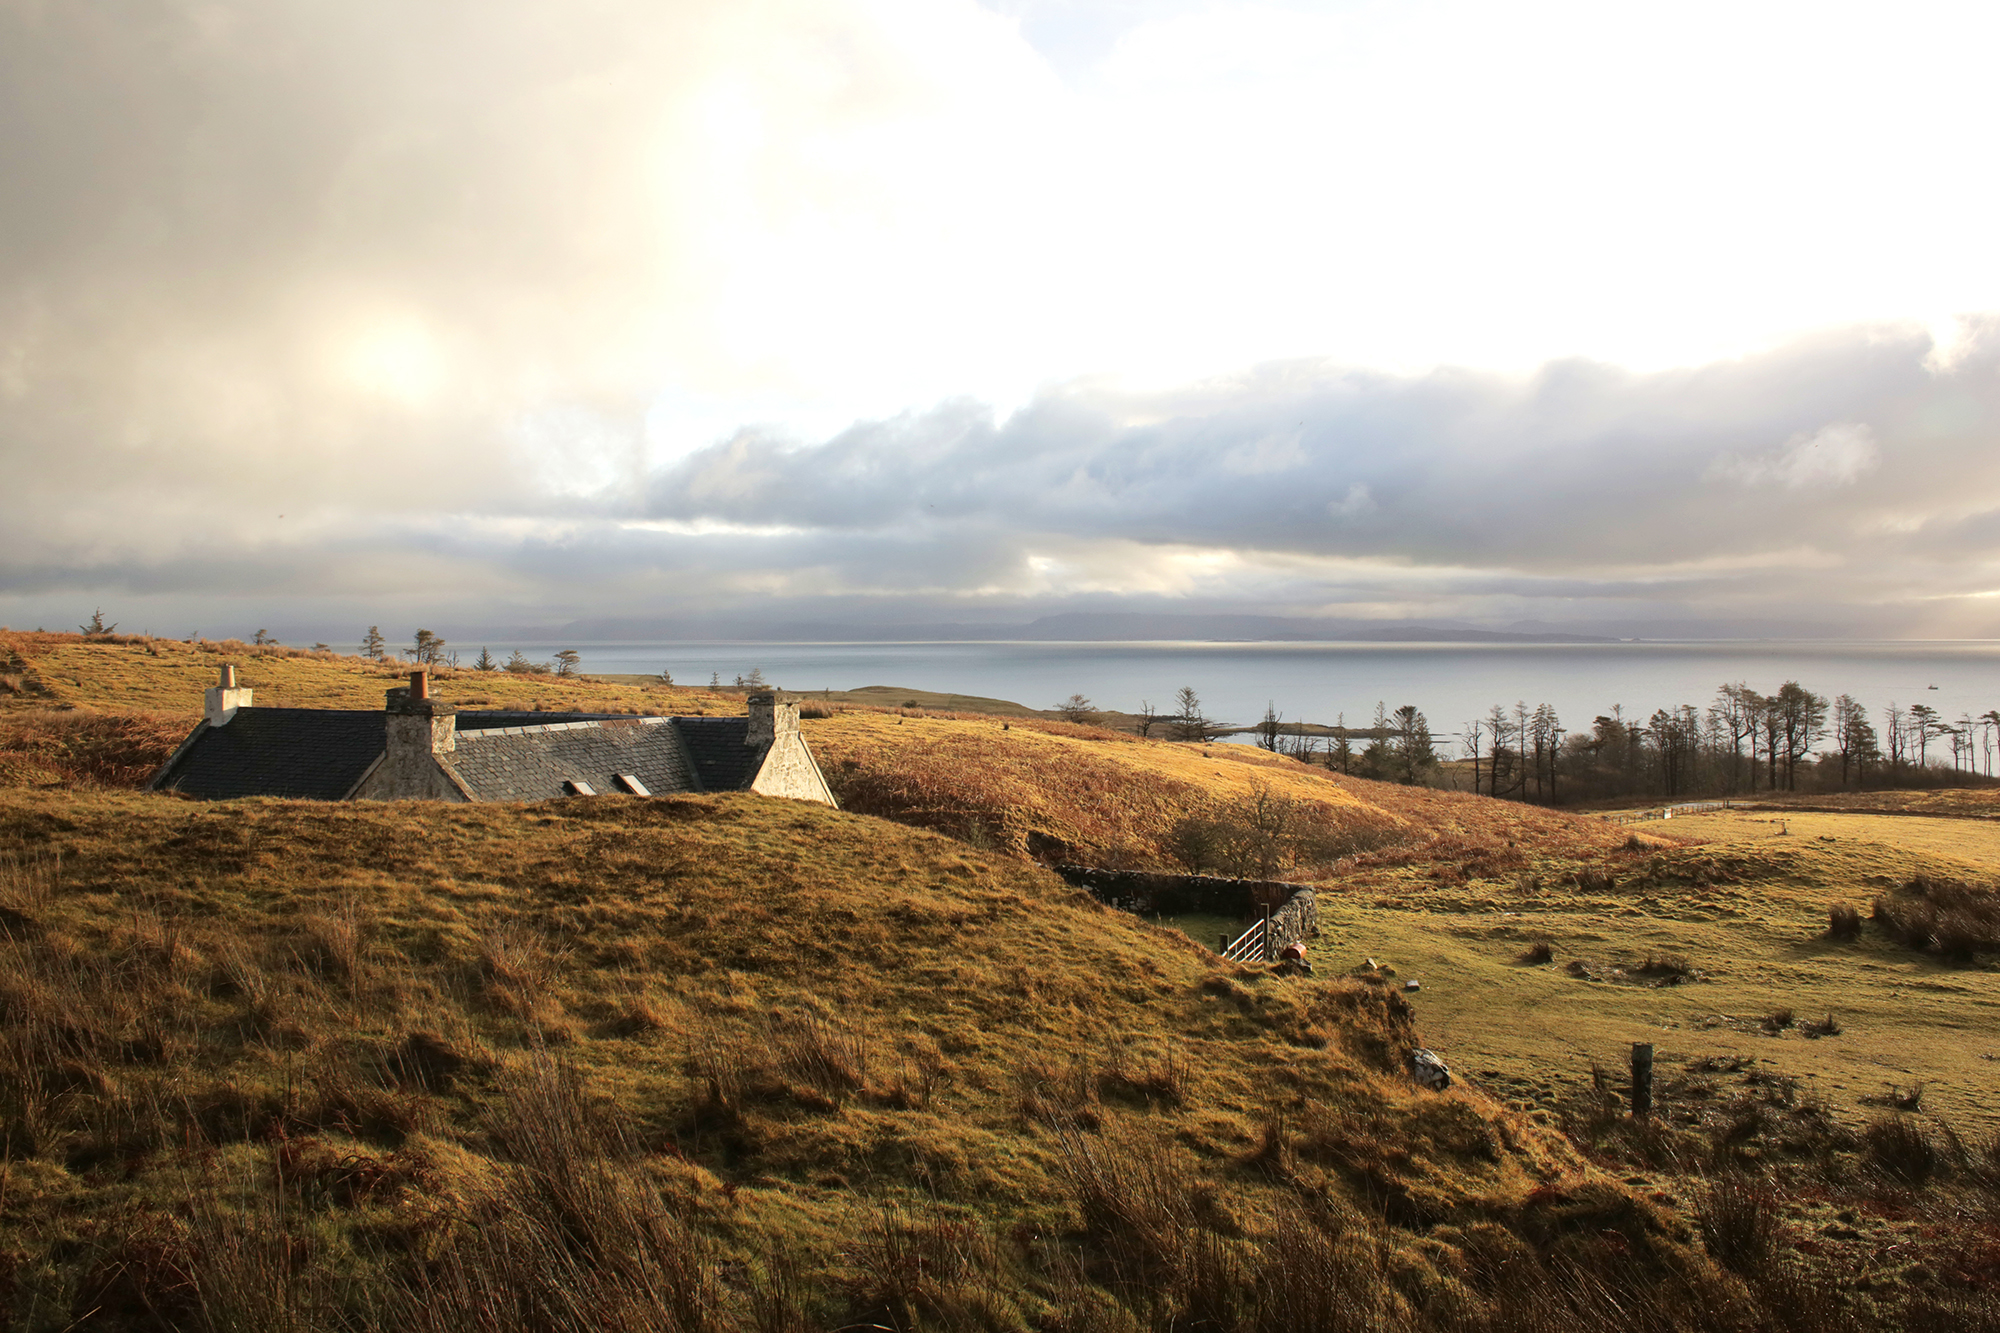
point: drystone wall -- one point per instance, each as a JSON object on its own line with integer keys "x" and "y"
{"x": 1153, "y": 894}
{"x": 1294, "y": 923}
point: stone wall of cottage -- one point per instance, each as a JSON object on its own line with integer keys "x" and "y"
{"x": 789, "y": 770}
{"x": 409, "y": 770}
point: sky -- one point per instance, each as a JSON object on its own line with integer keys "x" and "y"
{"x": 896, "y": 311}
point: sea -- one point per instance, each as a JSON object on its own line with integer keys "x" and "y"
{"x": 1451, "y": 683}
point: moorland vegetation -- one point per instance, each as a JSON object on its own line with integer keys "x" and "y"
{"x": 721, "y": 1062}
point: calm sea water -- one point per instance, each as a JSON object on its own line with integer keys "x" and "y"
{"x": 1319, "y": 682}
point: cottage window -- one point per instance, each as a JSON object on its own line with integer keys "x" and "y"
{"x": 630, "y": 782}
{"x": 578, "y": 787}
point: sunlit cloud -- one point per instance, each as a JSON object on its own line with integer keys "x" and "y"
{"x": 920, "y": 303}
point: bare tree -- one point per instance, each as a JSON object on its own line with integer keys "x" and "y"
{"x": 1076, "y": 708}
{"x": 1499, "y": 768}
{"x": 1735, "y": 710}
{"x": 1474, "y": 731}
{"x": 1147, "y": 715}
{"x": 1267, "y": 730}
{"x": 1800, "y": 717}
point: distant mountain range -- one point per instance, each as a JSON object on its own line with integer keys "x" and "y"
{"x": 1077, "y": 626}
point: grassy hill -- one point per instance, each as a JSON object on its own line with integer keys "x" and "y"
{"x": 722, "y": 1062}
{"x": 281, "y": 1064}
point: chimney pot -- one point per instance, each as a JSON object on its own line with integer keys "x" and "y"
{"x": 420, "y": 684}
{"x": 220, "y": 701}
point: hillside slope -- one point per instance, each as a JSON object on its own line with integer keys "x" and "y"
{"x": 1103, "y": 797}
{"x": 784, "y": 1065}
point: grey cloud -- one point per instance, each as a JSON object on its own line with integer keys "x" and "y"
{"x": 1575, "y": 469}
{"x": 212, "y": 209}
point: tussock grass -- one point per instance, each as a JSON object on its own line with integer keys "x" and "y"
{"x": 641, "y": 1064}
{"x": 56, "y": 747}
{"x": 1944, "y": 915}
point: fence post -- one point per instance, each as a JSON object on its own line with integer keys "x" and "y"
{"x": 1642, "y": 1079}
{"x": 1268, "y": 955}
{"x": 1222, "y": 943}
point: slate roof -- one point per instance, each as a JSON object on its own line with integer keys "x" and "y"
{"x": 531, "y": 763}
{"x": 315, "y": 753}
{"x": 488, "y": 719}
{"x": 721, "y": 758}
{"x": 321, "y": 753}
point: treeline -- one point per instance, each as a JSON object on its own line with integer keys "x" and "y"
{"x": 1741, "y": 743}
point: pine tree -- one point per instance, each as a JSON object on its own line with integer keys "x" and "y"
{"x": 485, "y": 662}
{"x": 373, "y": 644}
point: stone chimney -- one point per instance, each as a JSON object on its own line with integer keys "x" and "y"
{"x": 223, "y": 698}
{"x": 418, "y": 726}
{"x": 770, "y": 720}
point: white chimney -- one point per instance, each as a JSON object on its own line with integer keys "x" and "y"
{"x": 222, "y": 700}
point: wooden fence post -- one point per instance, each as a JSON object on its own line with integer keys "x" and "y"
{"x": 1642, "y": 1078}
{"x": 1268, "y": 955}
{"x": 1222, "y": 943}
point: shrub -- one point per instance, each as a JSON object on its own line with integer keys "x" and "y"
{"x": 1666, "y": 965}
{"x": 1902, "y": 1149}
{"x": 1945, "y": 916}
{"x": 1843, "y": 922}
{"x": 1541, "y": 951}
{"x": 1739, "y": 1224}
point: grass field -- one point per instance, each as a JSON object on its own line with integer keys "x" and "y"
{"x": 362, "y": 1044}
{"x": 723, "y": 1062}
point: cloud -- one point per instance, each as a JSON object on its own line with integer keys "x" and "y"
{"x": 694, "y": 304}
{"x": 1835, "y": 455}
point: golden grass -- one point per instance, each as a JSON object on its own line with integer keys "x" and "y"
{"x": 1085, "y": 794}
{"x": 168, "y": 676}
{"x": 788, "y": 1022}
{"x": 1943, "y": 802}
{"x": 54, "y": 747}
{"x": 709, "y": 1063}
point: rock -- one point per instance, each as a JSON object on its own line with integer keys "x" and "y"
{"x": 1413, "y": 984}
{"x": 1368, "y": 964}
{"x": 1429, "y": 1071}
